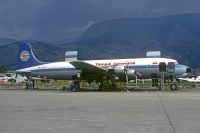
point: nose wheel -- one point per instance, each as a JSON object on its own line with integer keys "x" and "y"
{"x": 173, "y": 85}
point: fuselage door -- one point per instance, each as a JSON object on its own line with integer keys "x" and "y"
{"x": 162, "y": 67}
{"x": 171, "y": 67}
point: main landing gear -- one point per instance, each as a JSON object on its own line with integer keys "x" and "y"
{"x": 30, "y": 84}
{"x": 75, "y": 86}
{"x": 76, "y": 83}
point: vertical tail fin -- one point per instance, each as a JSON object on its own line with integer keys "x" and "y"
{"x": 26, "y": 57}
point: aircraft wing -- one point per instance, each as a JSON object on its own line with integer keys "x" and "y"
{"x": 84, "y": 66}
{"x": 188, "y": 79}
{"x": 182, "y": 79}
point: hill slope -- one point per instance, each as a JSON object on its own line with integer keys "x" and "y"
{"x": 43, "y": 52}
{"x": 176, "y": 36}
{"x": 5, "y": 41}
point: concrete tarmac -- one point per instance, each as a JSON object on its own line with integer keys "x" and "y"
{"x": 28, "y": 111}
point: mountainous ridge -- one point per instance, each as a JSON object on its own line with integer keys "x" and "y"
{"x": 42, "y": 51}
{"x": 5, "y": 41}
{"x": 176, "y": 36}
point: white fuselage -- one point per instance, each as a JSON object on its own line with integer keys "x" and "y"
{"x": 57, "y": 71}
{"x": 64, "y": 70}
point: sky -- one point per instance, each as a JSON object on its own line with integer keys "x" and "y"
{"x": 54, "y": 20}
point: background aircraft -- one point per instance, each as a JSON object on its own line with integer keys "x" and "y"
{"x": 193, "y": 79}
{"x": 96, "y": 70}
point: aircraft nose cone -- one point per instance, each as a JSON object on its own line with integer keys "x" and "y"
{"x": 188, "y": 70}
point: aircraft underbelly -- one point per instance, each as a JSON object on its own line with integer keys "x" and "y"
{"x": 57, "y": 75}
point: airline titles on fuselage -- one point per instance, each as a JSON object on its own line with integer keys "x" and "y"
{"x": 106, "y": 64}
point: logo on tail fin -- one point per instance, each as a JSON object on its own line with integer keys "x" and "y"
{"x": 24, "y": 55}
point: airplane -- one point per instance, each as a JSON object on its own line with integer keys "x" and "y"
{"x": 192, "y": 80}
{"x": 96, "y": 70}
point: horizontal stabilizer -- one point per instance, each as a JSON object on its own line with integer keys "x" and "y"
{"x": 71, "y": 55}
{"x": 153, "y": 54}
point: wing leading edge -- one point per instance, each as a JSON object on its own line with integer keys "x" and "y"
{"x": 84, "y": 66}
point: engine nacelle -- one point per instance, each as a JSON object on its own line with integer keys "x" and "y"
{"x": 131, "y": 73}
{"x": 118, "y": 70}
{"x": 121, "y": 71}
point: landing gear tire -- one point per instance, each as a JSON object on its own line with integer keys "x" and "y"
{"x": 173, "y": 87}
{"x": 159, "y": 88}
{"x": 75, "y": 87}
{"x": 30, "y": 84}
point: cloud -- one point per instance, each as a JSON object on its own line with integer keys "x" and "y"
{"x": 61, "y": 19}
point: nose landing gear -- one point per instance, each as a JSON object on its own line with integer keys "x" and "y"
{"x": 173, "y": 85}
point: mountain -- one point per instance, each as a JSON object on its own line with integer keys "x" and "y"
{"x": 42, "y": 51}
{"x": 176, "y": 36}
{"x": 4, "y": 41}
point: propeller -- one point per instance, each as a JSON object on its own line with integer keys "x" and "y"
{"x": 126, "y": 74}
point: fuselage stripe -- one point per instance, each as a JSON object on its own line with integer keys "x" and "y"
{"x": 74, "y": 69}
